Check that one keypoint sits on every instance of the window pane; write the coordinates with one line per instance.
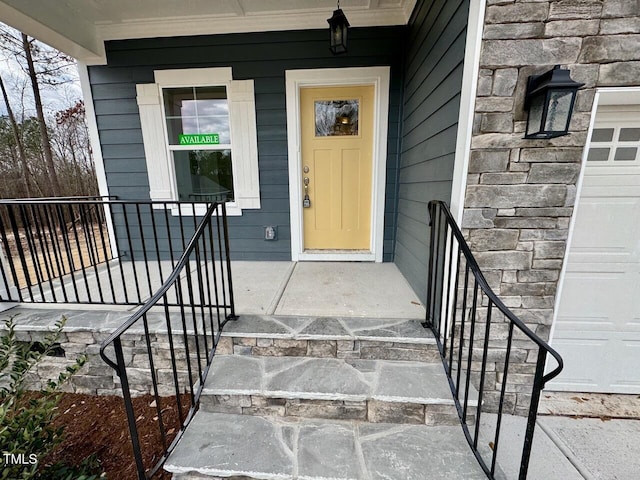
(625, 154)
(535, 115)
(598, 155)
(204, 176)
(336, 117)
(197, 110)
(602, 135)
(629, 134)
(559, 105)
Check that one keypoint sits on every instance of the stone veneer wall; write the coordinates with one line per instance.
(521, 193)
(96, 377)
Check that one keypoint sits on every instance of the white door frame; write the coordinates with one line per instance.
(379, 77)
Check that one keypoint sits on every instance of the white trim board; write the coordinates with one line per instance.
(380, 78)
(475, 25)
(96, 148)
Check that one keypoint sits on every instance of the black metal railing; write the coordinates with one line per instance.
(90, 250)
(495, 363)
(173, 346)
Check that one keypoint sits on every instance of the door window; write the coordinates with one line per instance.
(336, 117)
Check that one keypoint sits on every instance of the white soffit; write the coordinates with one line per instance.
(80, 27)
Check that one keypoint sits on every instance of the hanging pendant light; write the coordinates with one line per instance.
(338, 27)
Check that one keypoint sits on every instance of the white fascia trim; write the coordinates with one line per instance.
(275, 21)
(475, 26)
(96, 147)
(603, 96)
(380, 78)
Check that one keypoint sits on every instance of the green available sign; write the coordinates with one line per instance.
(199, 139)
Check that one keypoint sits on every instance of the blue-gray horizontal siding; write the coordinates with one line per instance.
(431, 105)
(263, 57)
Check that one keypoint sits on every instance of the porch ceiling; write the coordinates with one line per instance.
(80, 27)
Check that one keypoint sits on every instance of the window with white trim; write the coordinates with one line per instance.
(200, 137)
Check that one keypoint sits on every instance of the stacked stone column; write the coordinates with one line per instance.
(521, 193)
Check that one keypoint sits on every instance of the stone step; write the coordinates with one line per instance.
(348, 389)
(329, 337)
(244, 446)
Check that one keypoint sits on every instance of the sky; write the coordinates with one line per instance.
(20, 93)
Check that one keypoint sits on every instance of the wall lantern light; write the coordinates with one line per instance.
(550, 98)
(338, 27)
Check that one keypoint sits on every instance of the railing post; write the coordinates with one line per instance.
(225, 227)
(8, 290)
(12, 285)
(128, 406)
(428, 323)
(538, 385)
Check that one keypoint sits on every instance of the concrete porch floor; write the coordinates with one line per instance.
(329, 289)
(334, 289)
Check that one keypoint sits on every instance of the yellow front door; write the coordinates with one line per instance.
(337, 161)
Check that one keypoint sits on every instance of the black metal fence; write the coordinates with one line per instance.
(494, 362)
(91, 250)
(203, 292)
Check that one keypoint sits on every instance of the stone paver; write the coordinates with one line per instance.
(330, 328)
(416, 453)
(227, 445)
(328, 379)
(274, 448)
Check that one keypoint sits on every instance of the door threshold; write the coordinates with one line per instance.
(337, 255)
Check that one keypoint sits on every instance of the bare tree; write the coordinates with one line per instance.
(46, 142)
(16, 135)
(42, 65)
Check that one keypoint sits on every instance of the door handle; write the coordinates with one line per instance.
(306, 203)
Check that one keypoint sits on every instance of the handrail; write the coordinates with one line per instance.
(458, 318)
(165, 286)
(90, 250)
(48, 199)
(182, 337)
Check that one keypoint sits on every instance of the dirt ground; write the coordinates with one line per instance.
(98, 425)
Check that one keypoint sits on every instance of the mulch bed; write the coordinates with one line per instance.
(97, 425)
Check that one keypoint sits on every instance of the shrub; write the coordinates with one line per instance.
(27, 434)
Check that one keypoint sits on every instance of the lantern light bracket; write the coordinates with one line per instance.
(338, 29)
(555, 78)
(549, 99)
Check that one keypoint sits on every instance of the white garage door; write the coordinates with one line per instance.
(597, 329)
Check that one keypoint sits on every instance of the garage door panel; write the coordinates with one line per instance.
(625, 372)
(590, 294)
(598, 226)
(597, 327)
(599, 364)
(574, 376)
